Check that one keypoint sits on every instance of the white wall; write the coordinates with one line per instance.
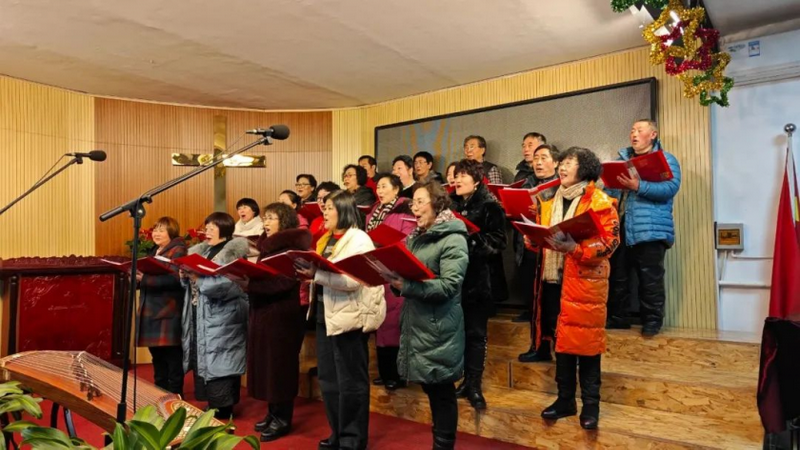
(749, 148)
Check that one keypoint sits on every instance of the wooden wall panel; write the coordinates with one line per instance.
(140, 137)
(38, 124)
(685, 131)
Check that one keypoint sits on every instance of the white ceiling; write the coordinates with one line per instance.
(303, 54)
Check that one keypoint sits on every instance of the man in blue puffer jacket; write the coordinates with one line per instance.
(648, 230)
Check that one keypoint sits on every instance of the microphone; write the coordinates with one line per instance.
(94, 155)
(279, 132)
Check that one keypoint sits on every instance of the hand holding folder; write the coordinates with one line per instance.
(650, 167)
(583, 226)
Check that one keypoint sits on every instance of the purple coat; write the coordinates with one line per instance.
(389, 331)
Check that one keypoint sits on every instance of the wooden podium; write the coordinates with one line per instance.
(63, 303)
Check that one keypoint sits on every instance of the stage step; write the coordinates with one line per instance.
(513, 416)
(698, 349)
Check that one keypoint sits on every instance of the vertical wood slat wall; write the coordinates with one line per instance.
(139, 138)
(38, 124)
(684, 124)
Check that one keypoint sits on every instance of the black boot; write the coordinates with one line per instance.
(565, 405)
(651, 286)
(461, 389)
(224, 414)
(537, 355)
(261, 426)
(475, 395)
(281, 423)
(589, 372)
(443, 441)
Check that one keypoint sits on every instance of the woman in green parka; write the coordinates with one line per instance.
(432, 322)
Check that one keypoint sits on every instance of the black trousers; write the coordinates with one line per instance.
(527, 273)
(588, 368)
(387, 363)
(551, 308)
(283, 411)
(646, 260)
(476, 321)
(168, 368)
(444, 408)
(343, 368)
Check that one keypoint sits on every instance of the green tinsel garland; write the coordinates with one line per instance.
(622, 5)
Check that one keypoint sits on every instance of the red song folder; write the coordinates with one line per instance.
(310, 211)
(243, 268)
(580, 227)
(517, 202)
(650, 167)
(148, 265)
(196, 263)
(384, 235)
(284, 262)
(471, 227)
(368, 267)
(496, 188)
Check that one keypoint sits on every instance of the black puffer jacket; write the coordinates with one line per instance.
(484, 211)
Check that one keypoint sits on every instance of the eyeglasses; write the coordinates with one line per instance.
(419, 203)
(348, 175)
(299, 185)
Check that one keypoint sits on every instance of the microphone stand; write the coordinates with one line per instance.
(75, 160)
(136, 210)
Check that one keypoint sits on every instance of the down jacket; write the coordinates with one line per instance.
(581, 327)
(349, 305)
(648, 212)
(432, 321)
(221, 317)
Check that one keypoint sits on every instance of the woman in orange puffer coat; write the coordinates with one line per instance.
(574, 284)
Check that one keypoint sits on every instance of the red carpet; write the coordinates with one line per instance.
(309, 426)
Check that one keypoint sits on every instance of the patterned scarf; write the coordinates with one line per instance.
(444, 216)
(380, 214)
(553, 260)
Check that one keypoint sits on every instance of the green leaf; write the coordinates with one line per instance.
(120, 438)
(29, 404)
(224, 441)
(172, 426)
(200, 437)
(203, 421)
(10, 387)
(44, 435)
(148, 433)
(18, 426)
(10, 405)
(253, 441)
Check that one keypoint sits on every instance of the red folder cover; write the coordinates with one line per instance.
(368, 267)
(365, 208)
(496, 188)
(384, 235)
(243, 268)
(580, 227)
(517, 202)
(148, 265)
(650, 167)
(284, 262)
(196, 263)
(450, 189)
(310, 211)
(471, 227)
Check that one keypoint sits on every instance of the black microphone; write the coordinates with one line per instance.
(94, 155)
(279, 132)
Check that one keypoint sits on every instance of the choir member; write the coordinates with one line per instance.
(354, 180)
(475, 149)
(249, 223)
(423, 168)
(451, 174)
(403, 168)
(432, 321)
(292, 199)
(305, 185)
(370, 165)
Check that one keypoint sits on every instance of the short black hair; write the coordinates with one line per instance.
(250, 203)
(394, 180)
(361, 173)
(480, 139)
(554, 152)
(452, 164)
(329, 186)
(345, 204)
(440, 199)
(370, 159)
(534, 135)
(293, 197)
(428, 157)
(589, 166)
(287, 217)
(224, 222)
(406, 160)
(472, 168)
(311, 180)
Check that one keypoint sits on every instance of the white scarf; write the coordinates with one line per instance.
(253, 228)
(553, 260)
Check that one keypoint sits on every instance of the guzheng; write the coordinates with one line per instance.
(90, 386)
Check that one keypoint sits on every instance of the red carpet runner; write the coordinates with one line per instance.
(309, 426)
